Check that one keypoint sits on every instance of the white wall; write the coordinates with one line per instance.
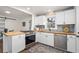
(26, 28)
(33, 22)
(16, 25)
(11, 24)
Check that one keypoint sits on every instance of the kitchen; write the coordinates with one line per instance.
(42, 29)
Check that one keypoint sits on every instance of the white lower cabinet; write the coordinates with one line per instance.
(13, 44)
(18, 43)
(71, 43)
(77, 41)
(50, 39)
(38, 37)
(45, 38)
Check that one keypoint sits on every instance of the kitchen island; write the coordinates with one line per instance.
(13, 42)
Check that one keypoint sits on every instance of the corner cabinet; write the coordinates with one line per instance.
(45, 38)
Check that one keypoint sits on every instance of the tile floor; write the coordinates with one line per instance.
(36, 48)
(41, 48)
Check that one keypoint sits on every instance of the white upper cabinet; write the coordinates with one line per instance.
(40, 20)
(59, 17)
(65, 17)
(70, 16)
(77, 20)
(36, 21)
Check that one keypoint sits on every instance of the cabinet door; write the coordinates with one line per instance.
(77, 20)
(15, 43)
(60, 17)
(36, 21)
(77, 44)
(22, 41)
(40, 20)
(42, 37)
(71, 43)
(70, 16)
(18, 43)
(50, 40)
(7, 43)
(38, 37)
(45, 38)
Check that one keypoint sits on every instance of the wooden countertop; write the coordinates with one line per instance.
(62, 33)
(13, 33)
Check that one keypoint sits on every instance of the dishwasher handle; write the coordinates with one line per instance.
(77, 35)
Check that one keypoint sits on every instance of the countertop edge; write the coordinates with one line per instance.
(13, 33)
(61, 33)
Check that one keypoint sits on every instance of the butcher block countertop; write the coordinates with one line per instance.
(13, 33)
(62, 33)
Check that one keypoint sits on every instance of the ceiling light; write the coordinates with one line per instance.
(49, 10)
(8, 12)
(28, 8)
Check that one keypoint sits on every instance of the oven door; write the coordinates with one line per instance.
(30, 39)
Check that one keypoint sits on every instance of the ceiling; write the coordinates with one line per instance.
(15, 14)
(37, 10)
(19, 12)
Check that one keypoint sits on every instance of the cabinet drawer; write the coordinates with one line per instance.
(38, 33)
(49, 34)
(45, 38)
(15, 37)
(71, 36)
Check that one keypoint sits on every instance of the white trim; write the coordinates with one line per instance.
(21, 9)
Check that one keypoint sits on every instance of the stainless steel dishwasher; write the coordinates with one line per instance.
(60, 41)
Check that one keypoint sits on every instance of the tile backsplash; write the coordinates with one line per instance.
(60, 28)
